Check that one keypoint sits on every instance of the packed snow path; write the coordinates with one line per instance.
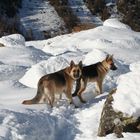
(23, 63)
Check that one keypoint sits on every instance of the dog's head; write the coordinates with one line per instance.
(75, 70)
(109, 63)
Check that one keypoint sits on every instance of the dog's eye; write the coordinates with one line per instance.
(74, 71)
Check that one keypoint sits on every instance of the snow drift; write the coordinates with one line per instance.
(127, 94)
(51, 65)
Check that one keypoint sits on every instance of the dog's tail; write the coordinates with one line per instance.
(35, 100)
(77, 87)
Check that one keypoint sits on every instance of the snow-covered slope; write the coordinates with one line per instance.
(38, 17)
(23, 63)
(81, 11)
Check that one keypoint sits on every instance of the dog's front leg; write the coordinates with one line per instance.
(78, 84)
(69, 94)
(99, 86)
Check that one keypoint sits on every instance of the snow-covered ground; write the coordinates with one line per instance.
(39, 18)
(23, 63)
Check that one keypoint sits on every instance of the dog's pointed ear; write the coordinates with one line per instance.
(80, 64)
(107, 57)
(112, 56)
(72, 63)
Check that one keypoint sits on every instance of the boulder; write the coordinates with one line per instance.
(113, 121)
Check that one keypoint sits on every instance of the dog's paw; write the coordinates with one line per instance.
(83, 101)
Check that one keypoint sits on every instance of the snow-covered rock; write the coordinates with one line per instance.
(16, 53)
(114, 121)
(14, 40)
(127, 95)
(115, 23)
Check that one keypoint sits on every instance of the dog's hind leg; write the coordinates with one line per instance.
(51, 101)
(49, 96)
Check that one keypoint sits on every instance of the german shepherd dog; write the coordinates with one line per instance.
(94, 73)
(56, 83)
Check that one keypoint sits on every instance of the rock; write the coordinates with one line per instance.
(2, 45)
(112, 121)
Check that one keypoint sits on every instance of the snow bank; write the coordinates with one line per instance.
(51, 65)
(127, 96)
(135, 67)
(14, 40)
(102, 37)
(21, 56)
(115, 23)
(94, 56)
(39, 44)
(16, 53)
(53, 50)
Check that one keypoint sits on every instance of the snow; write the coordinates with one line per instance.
(135, 67)
(15, 40)
(128, 84)
(81, 11)
(116, 24)
(44, 67)
(23, 63)
(98, 56)
(39, 16)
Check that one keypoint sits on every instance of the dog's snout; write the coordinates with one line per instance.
(113, 67)
(77, 74)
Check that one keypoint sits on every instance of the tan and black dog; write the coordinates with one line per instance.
(94, 73)
(56, 83)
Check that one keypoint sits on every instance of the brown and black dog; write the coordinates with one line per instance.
(94, 73)
(56, 83)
